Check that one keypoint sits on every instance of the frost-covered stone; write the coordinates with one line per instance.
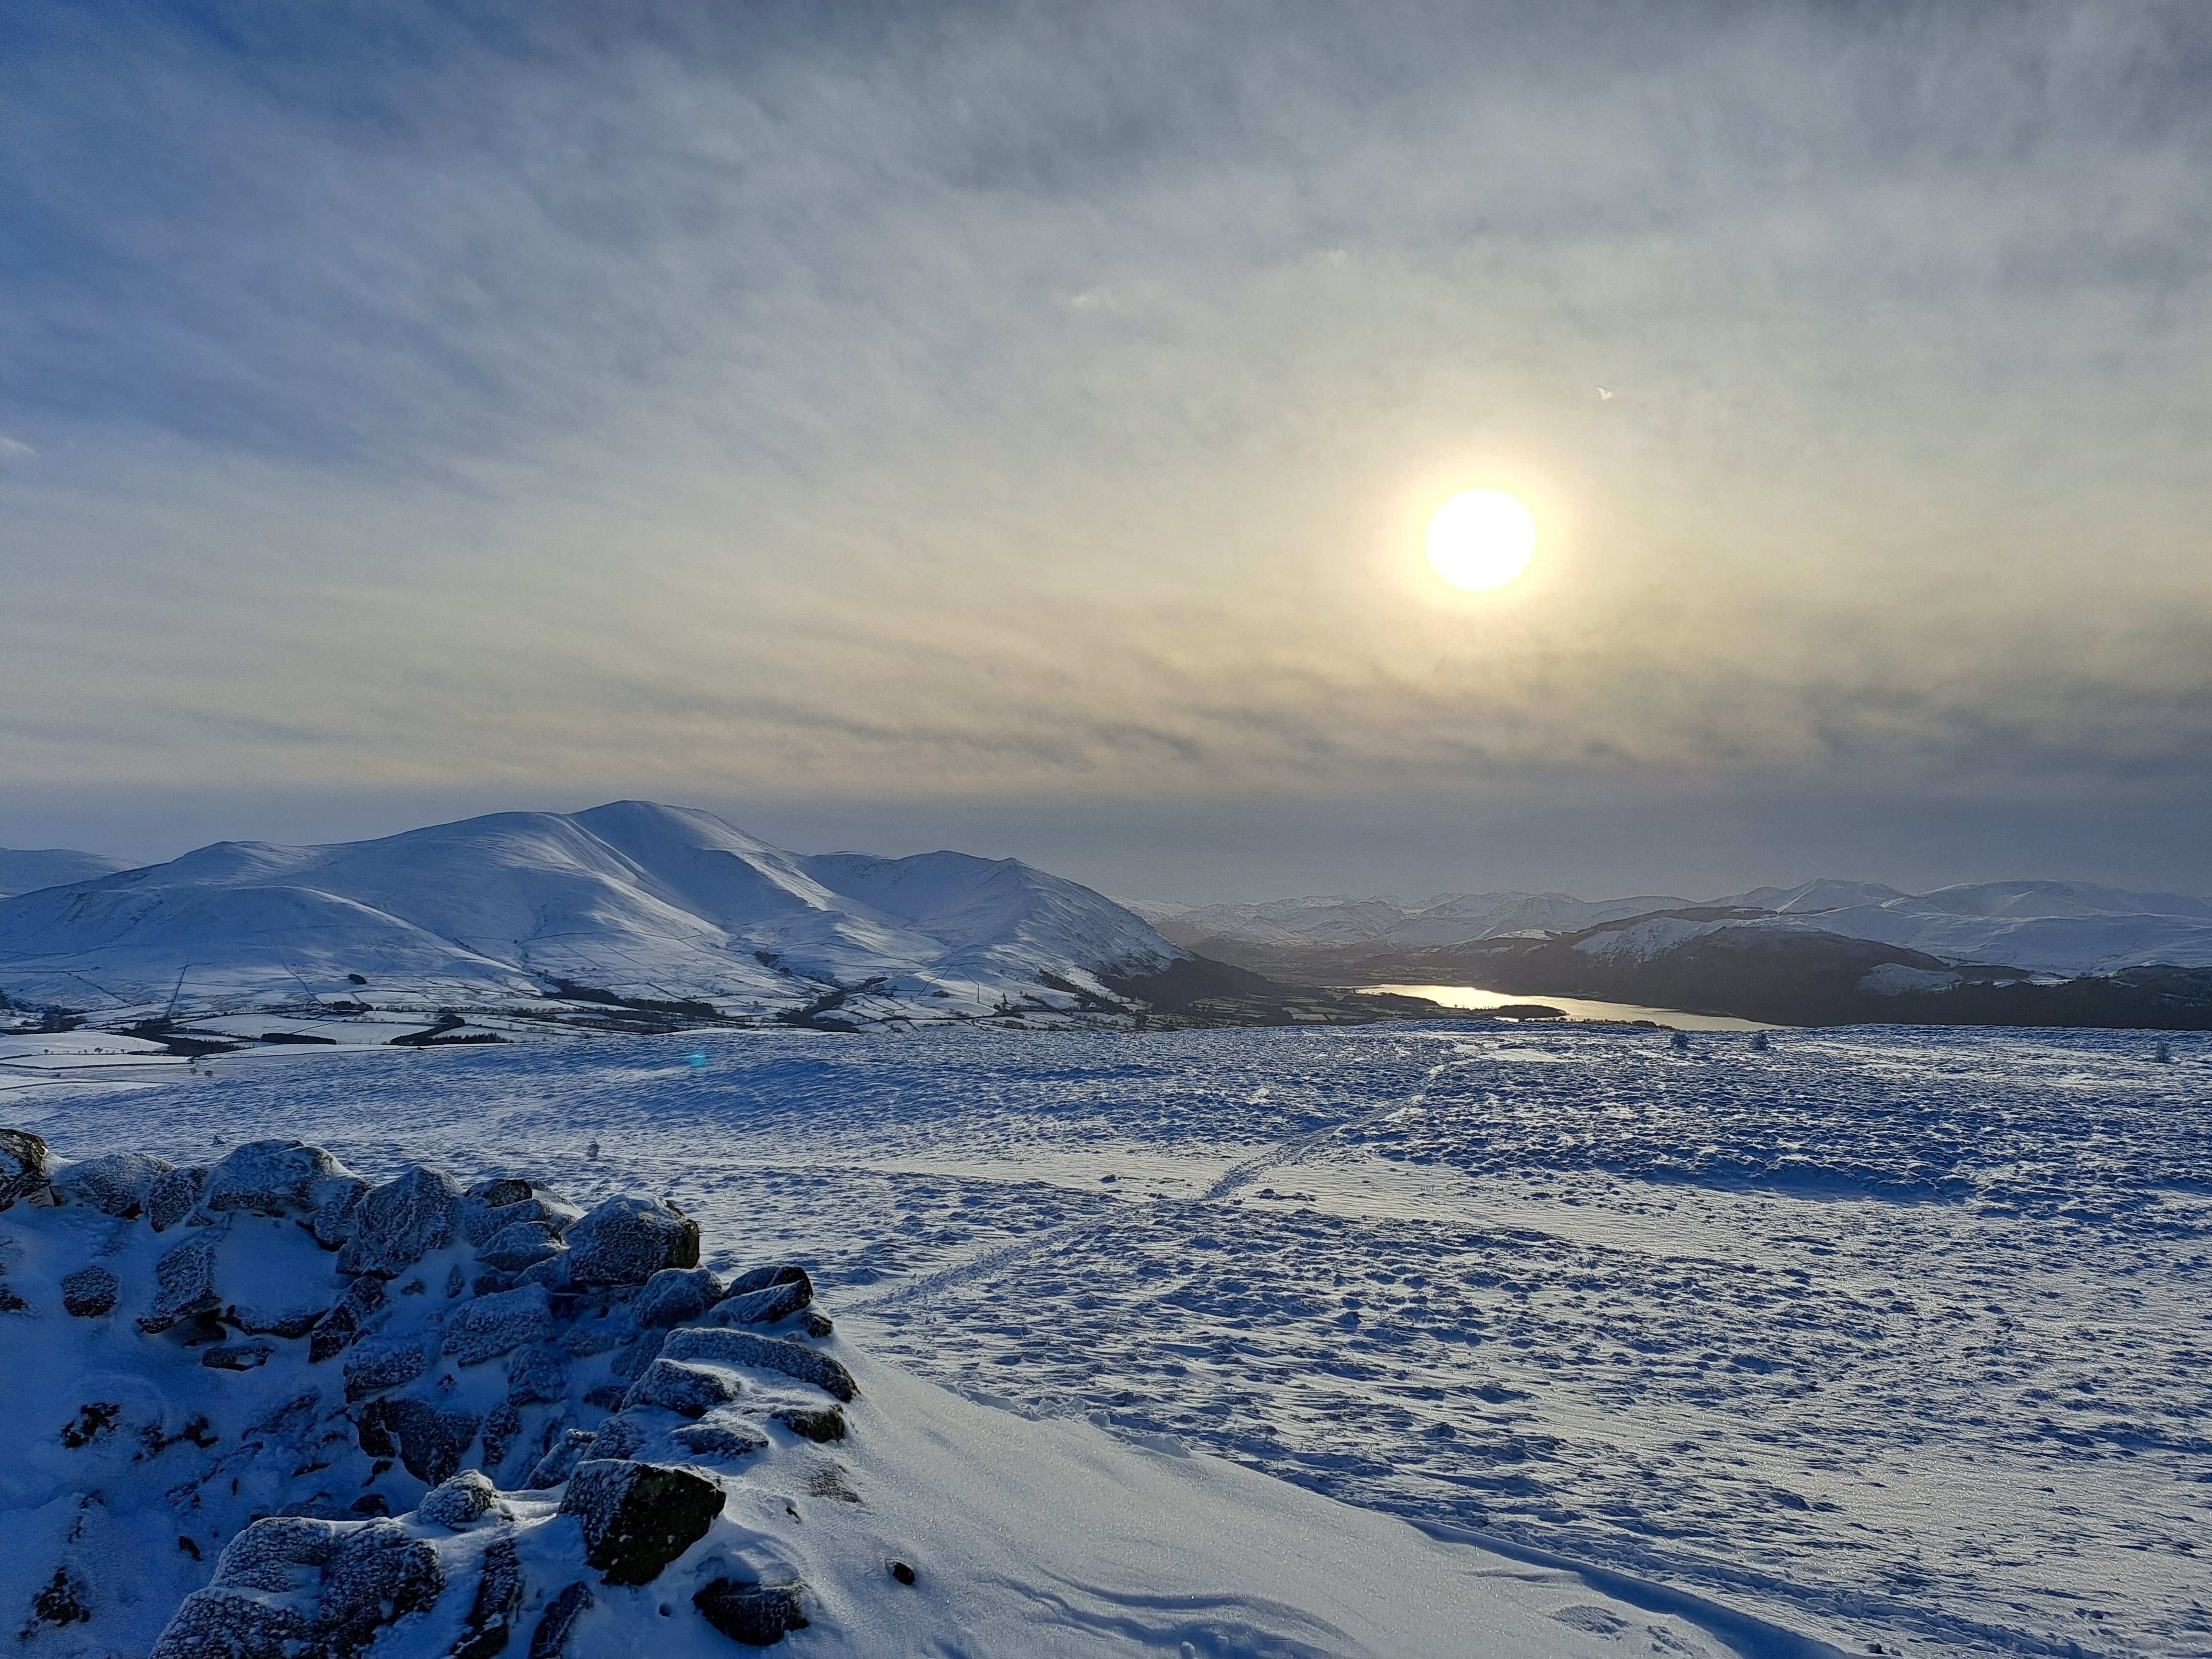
(500, 1590)
(90, 1292)
(281, 1554)
(114, 1183)
(377, 1576)
(676, 1295)
(236, 1356)
(519, 1245)
(820, 1424)
(561, 1459)
(763, 1306)
(23, 1166)
(494, 1325)
(625, 1241)
(638, 1353)
(552, 1272)
(730, 1347)
(386, 1363)
(461, 1501)
(429, 1439)
(185, 1282)
(720, 1436)
(268, 1177)
(622, 1433)
(550, 1640)
(396, 1225)
(687, 1390)
(337, 1201)
(759, 1615)
(289, 1587)
(231, 1624)
(638, 1518)
(537, 1372)
(173, 1195)
(776, 1273)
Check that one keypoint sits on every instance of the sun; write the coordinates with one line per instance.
(1480, 540)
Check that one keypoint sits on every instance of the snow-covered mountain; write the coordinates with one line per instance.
(635, 900)
(23, 871)
(2047, 927)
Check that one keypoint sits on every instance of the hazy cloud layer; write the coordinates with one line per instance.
(1040, 405)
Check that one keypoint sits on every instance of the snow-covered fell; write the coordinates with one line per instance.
(24, 871)
(1336, 921)
(641, 901)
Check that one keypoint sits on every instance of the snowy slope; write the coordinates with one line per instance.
(613, 1451)
(22, 871)
(1336, 922)
(632, 898)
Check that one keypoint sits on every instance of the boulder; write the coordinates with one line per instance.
(625, 1241)
(758, 1615)
(281, 1554)
(776, 1273)
(795, 1359)
(396, 1225)
(90, 1292)
(677, 1296)
(552, 1272)
(378, 1575)
(184, 1282)
(820, 1424)
(763, 1306)
(687, 1390)
(637, 1353)
(268, 1177)
(494, 1325)
(460, 1501)
(537, 1372)
(498, 1601)
(288, 1587)
(24, 1165)
(502, 1424)
(429, 1439)
(720, 1437)
(115, 1183)
(337, 1202)
(384, 1362)
(638, 1518)
(520, 1244)
(228, 1624)
(173, 1195)
(561, 1459)
(622, 1433)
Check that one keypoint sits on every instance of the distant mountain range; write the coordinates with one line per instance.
(1825, 952)
(22, 871)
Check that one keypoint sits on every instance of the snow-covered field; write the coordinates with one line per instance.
(1895, 1337)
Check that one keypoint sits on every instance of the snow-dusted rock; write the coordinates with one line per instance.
(23, 1166)
(429, 1439)
(268, 1177)
(173, 1195)
(90, 1292)
(459, 1501)
(638, 1518)
(538, 1371)
(687, 1390)
(500, 1589)
(493, 1325)
(778, 1299)
(185, 1280)
(757, 1615)
(290, 1587)
(625, 1241)
(676, 1295)
(794, 1359)
(400, 1223)
(720, 1437)
(520, 1244)
(115, 1183)
(386, 1363)
(561, 1459)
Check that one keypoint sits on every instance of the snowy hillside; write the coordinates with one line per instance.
(23, 871)
(657, 904)
(1446, 919)
(264, 1409)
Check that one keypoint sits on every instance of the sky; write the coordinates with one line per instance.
(1011, 426)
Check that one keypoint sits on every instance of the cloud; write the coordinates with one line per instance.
(1000, 401)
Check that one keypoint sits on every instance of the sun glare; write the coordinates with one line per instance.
(1480, 540)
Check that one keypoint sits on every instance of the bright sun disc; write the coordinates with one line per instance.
(1480, 540)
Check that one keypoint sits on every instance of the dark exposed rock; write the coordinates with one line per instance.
(758, 1615)
(61, 1602)
(23, 1166)
(721, 1347)
(172, 1196)
(761, 1307)
(902, 1572)
(498, 1193)
(460, 1500)
(820, 1424)
(625, 1241)
(776, 1273)
(92, 1421)
(539, 1371)
(237, 1356)
(494, 1325)
(90, 1292)
(268, 1177)
(384, 1362)
(115, 1183)
(520, 1244)
(676, 1295)
(396, 1225)
(185, 1284)
(337, 1329)
(429, 1439)
(550, 1640)
(638, 1518)
(687, 1390)
(720, 1436)
(501, 1424)
(377, 1576)
(498, 1600)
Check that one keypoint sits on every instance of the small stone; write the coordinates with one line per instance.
(625, 1241)
(90, 1292)
(902, 1572)
(758, 1615)
(461, 1500)
(237, 1356)
(550, 1640)
(638, 1518)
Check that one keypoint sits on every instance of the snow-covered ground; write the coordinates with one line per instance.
(1884, 1336)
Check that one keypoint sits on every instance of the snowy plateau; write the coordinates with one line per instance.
(1425, 1338)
